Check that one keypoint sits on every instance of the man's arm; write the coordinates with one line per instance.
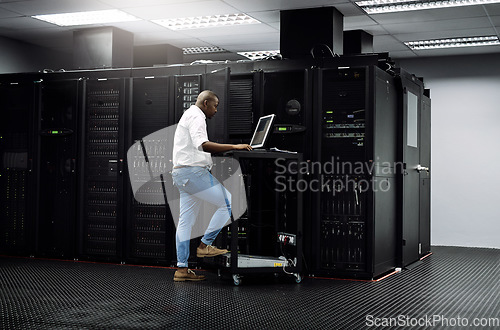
(215, 148)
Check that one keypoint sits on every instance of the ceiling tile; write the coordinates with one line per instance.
(7, 13)
(495, 20)
(188, 9)
(375, 30)
(453, 24)
(253, 47)
(402, 54)
(239, 30)
(355, 22)
(420, 16)
(159, 38)
(22, 23)
(387, 44)
(275, 25)
(493, 9)
(243, 39)
(444, 34)
(143, 26)
(40, 7)
(256, 5)
(349, 9)
(271, 16)
(143, 3)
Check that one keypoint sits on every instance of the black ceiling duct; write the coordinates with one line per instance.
(357, 42)
(103, 47)
(303, 30)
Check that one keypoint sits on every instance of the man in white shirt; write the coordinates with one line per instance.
(191, 174)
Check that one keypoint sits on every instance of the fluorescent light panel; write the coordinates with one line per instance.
(202, 50)
(453, 42)
(206, 21)
(87, 17)
(389, 6)
(259, 55)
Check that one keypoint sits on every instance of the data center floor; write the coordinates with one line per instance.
(452, 285)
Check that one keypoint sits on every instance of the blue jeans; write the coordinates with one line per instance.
(196, 184)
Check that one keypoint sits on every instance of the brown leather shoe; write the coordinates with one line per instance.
(189, 276)
(209, 251)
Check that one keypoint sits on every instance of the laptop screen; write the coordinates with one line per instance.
(262, 131)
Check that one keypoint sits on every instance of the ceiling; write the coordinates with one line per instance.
(389, 30)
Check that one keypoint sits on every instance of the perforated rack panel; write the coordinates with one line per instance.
(102, 221)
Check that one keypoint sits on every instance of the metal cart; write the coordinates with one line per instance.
(286, 238)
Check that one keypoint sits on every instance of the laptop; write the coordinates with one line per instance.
(262, 132)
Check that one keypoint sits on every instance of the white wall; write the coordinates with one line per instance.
(465, 93)
(16, 56)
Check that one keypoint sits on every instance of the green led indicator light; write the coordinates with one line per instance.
(54, 132)
(329, 112)
(329, 121)
(281, 128)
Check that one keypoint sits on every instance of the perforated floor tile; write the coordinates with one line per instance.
(50, 294)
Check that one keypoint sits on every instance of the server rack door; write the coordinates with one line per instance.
(384, 178)
(411, 109)
(16, 158)
(58, 142)
(150, 228)
(425, 177)
(218, 82)
(344, 211)
(186, 90)
(101, 226)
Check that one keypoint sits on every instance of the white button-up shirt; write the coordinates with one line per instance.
(190, 134)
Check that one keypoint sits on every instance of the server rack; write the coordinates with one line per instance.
(17, 152)
(57, 152)
(101, 182)
(356, 157)
(150, 228)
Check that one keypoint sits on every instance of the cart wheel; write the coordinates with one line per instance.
(298, 278)
(236, 279)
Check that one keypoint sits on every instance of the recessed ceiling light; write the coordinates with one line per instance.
(453, 42)
(206, 21)
(259, 55)
(202, 50)
(87, 17)
(389, 6)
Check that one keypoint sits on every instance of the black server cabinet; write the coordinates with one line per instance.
(150, 228)
(17, 181)
(354, 165)
(101, 183)
(58, 104)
